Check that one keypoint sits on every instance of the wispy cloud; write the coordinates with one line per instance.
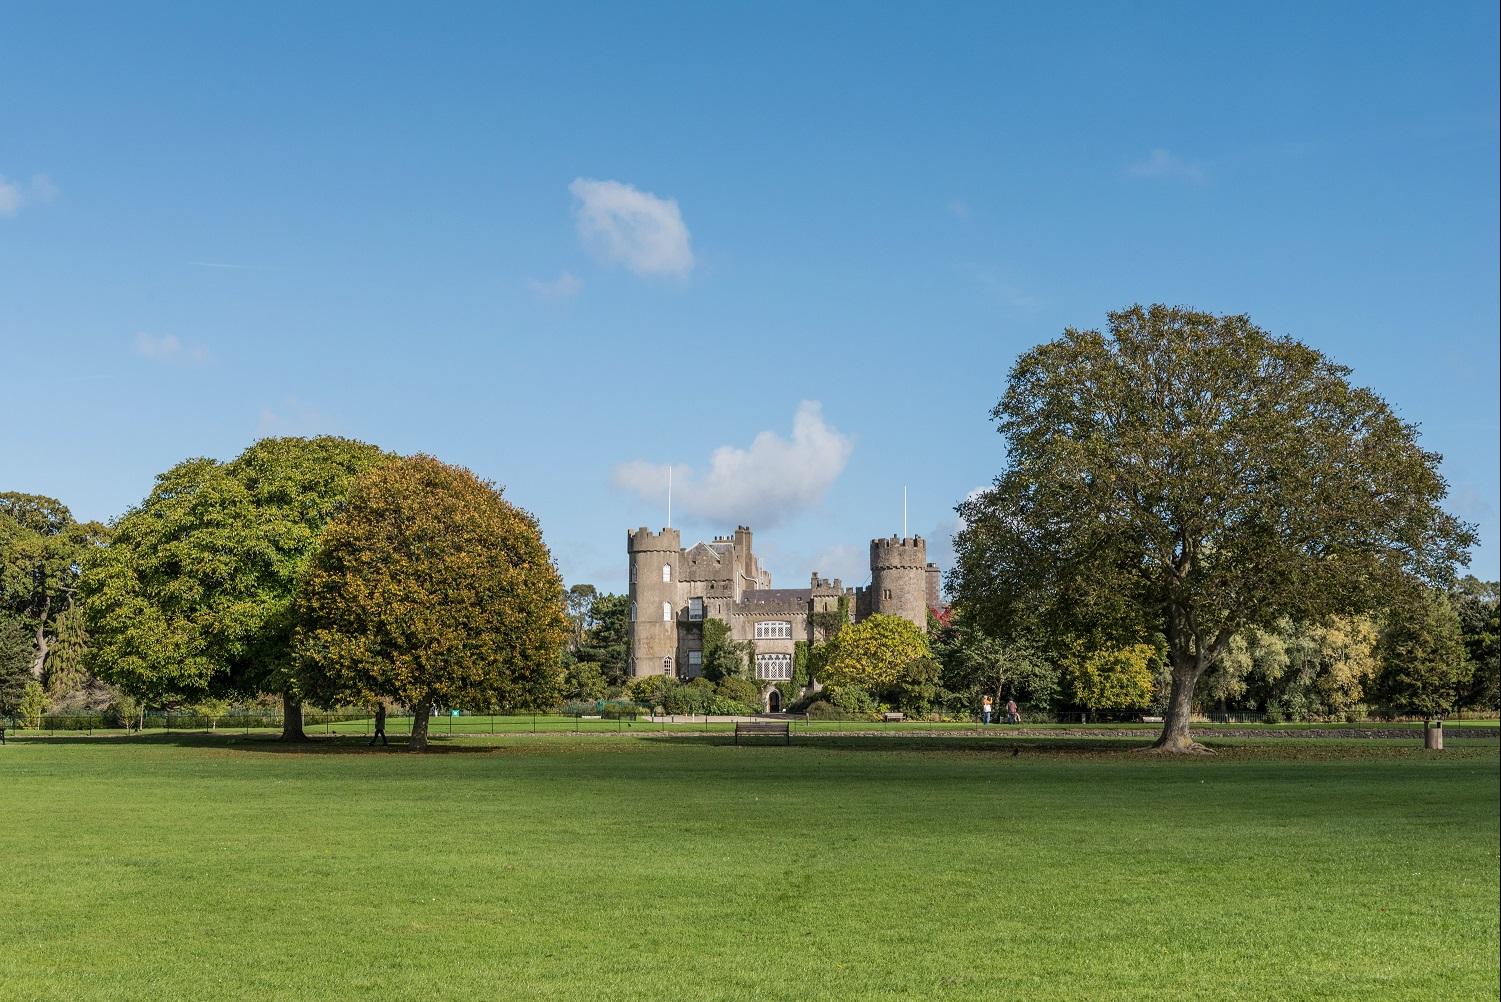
(168, 348)
(770, 482)
(960, 209)
(624, 225)
(565, 286)
(14, 195)
(1166, 165)
(292, 417)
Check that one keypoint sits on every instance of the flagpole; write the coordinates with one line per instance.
(669, 497)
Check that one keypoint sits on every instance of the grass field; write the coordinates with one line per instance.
(561, 867)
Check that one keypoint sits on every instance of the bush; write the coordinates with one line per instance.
(580, 708)
(722, 706)
(33, 702)
(853, 699)
(688, 697)
(821, 709)
(741, 690)
(615, 709)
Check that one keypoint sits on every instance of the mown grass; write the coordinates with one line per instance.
(559, 867)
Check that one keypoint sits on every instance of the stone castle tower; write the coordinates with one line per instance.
(899, 578)
(655, 562)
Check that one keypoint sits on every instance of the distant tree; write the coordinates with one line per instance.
(1424, 667)
(193, 596)
(873, 653)
(1478, 604)
(1190, 474)
(16, 640)
(430, 589)
(42, 552)
(602, 649)
(976, 664)
(580, 599)
(1119, 678)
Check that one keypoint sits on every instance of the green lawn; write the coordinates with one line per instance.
(560, 867)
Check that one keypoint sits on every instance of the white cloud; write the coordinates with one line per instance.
(168, 348)
(10, 197)
(13, 196)
(1164, 164)
(293, 417)
(565, 286)
(635, 228)
(770, 482)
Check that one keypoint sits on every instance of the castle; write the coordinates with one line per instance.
(673, 590)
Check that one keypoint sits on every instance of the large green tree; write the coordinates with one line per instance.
(432, 590)
(42, 552)
(874, 653)
(1193, 475)
(193, 596)
(1478, 604)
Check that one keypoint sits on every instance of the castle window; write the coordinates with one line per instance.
(633, 573)
(633, 612)
(773, 667)
(774, 631)
(887, 593)
(666, 612)
(666, 572)
(695, 661)
(667, 666)
(695, 610)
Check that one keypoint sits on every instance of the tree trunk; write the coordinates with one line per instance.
(291, 718)
(1175, 738)
(420, 714)
(39, 663)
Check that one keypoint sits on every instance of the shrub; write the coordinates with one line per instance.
(853, 699)
(723, 706)
(821, 709)
(688, 697)
(741, 690)
(33, 703)
(617, 708)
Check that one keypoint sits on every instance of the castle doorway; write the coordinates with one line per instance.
(774, 701)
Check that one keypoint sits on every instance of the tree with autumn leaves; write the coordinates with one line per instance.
(432, 590)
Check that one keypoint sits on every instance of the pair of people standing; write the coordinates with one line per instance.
(1013, 715)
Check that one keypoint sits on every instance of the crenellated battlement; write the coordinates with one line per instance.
(643, 540)
(898, 551)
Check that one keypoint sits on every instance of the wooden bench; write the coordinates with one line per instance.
(778, 727)
(1151, 720)
(893, 718)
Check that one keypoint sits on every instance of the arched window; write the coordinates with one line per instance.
(774, 667)
(633, 572)
(666, 572)
(633, 612)
(666, 612)
(667, 666)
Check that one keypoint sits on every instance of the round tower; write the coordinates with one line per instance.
(899, 578)
(655, 561)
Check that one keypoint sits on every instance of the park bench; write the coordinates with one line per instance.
(1151, 720)
(893, 718)
(777, 727)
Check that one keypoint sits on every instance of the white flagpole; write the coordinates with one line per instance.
(669, 497)
(904, 511)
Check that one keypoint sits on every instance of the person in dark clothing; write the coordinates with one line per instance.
(380, 725)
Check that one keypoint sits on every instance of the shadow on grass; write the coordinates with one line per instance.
(321, 744)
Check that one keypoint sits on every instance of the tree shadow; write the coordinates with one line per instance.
(318, 744)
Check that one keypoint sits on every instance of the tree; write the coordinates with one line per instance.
(1478, 604)
(1192, 475)
(976, 663)
(15, 661)
(1118, 678)
(723, 656)
(873, 653)
(1424, 668)
(193, 596)
(580, 600)
(42, 551)
(430, 589)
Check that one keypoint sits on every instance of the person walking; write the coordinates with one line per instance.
(380, 724)
(1013, 715)
(985, 706)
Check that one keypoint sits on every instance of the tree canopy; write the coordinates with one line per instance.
(873, 653)
(42, 553)
(1193, 475)
(193, 596)
(432, 590)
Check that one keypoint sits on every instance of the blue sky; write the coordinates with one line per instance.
(792, 251)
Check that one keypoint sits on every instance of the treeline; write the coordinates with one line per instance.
(322, 570)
